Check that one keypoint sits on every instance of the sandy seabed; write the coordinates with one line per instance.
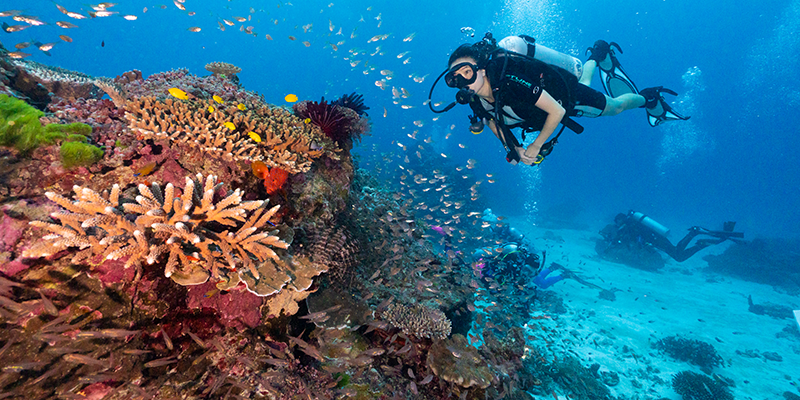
(681, 299)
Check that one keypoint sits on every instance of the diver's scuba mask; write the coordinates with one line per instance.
(461, 81)
(467, 76)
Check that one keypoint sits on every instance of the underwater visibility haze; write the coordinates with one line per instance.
(211, 199)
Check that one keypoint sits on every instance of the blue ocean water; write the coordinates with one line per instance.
(731, 63)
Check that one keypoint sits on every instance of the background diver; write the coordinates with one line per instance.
(634, 231)
(518, 84)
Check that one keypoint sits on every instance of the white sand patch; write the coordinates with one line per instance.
(678, 300)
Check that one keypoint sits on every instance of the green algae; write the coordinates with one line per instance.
(19, 124)
(20, 128)
(79, 154)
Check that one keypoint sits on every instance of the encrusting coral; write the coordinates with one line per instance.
(157, 223)
(271, 135)
(455, 360)
(419, 320)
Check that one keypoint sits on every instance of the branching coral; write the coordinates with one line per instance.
(201, 237)
(692, 386)
(261, 133)
(419, 320)
(455, 360)
(696, 352)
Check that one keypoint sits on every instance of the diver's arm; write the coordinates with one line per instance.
(555, 113)
(493, 127)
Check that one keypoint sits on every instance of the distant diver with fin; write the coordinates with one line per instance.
(616, 83)
(635, 232)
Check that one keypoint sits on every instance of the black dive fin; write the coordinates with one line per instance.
(658, 110)
(614, 79)
(723, 234)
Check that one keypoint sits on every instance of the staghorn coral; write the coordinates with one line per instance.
(284, 140)
(222, 68)
(158, 222)
(693, 351)
(419, 320)
(693, 386)
(455, 360)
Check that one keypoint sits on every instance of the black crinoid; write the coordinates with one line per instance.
(353, 101)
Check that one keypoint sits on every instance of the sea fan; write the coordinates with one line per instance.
(352, 101)
(331, 118)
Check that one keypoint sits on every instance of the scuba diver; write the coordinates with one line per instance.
(519, 84)
(634, 234)
(512, 264)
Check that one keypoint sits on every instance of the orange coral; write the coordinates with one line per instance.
(274, 178)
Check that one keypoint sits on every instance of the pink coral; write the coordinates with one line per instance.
(237, 307)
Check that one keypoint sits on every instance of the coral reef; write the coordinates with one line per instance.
(79, 154)
(226, 132)
(199, 87)
(693, 351)
(222, 68)
(419, 321)
(455, 360)
(694, 386)
(157, 222)
(340, 123)
(353, 101)
(769, 261)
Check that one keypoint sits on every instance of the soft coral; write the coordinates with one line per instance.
(274, 178)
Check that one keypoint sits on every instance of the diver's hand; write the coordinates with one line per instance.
(528, 156)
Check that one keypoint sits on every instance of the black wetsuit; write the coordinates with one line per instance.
(633, 235)
(517, 84)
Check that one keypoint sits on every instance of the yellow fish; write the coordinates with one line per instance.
(179, 94)
(211, 109)
(229, 125)
(290, 98)
(217, 99)
(255, 137)
(241, 106)
(307, 120)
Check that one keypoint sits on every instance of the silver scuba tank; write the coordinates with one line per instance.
(527, 47)
(651, 223)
